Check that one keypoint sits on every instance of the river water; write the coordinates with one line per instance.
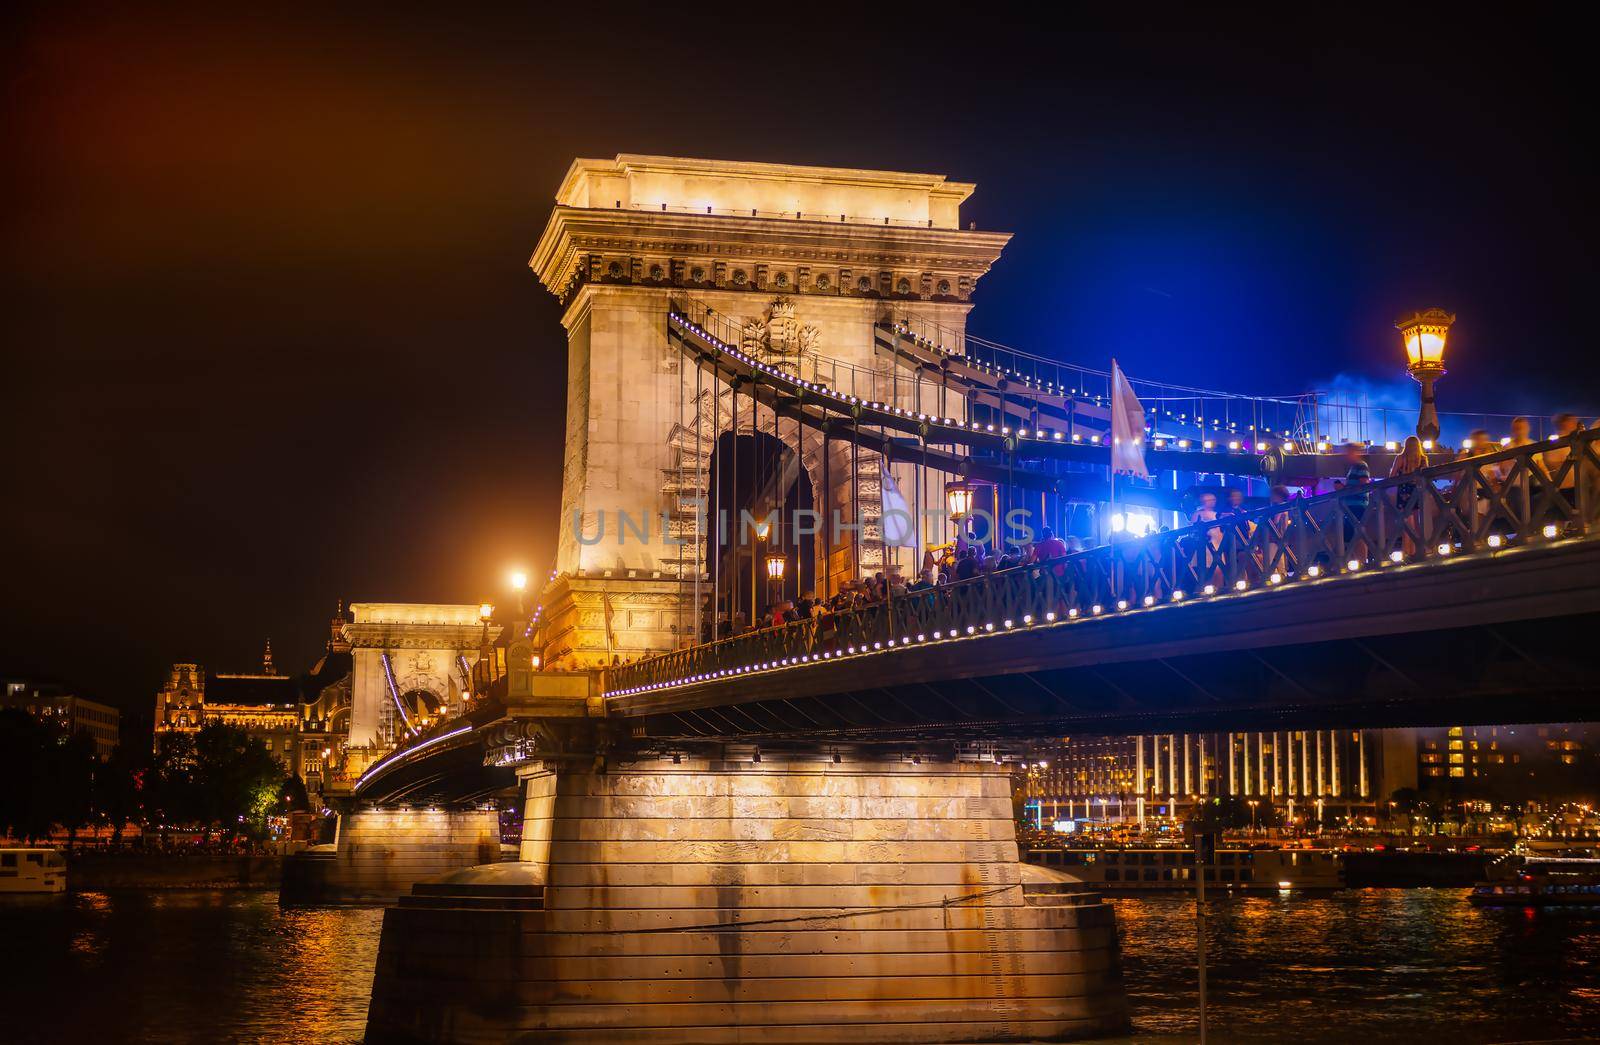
(1369, 965)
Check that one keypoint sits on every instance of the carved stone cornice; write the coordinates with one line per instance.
(765, 255)
(417, 636)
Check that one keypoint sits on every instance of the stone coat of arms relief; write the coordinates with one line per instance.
(778, 337)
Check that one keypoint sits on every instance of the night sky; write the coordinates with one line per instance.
(270, 338)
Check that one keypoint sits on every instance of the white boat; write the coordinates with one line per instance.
(32, 871)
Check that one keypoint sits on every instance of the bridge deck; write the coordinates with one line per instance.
(1408, 644)
(1493, 540)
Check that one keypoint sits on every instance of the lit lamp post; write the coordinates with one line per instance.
(1253, 816)
(519, 584)
(958, 498)
(481, 669)
(775, 566)
(1424, 335)
(761, 535)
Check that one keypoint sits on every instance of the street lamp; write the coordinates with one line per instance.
(519, 584)
(481, 670)
(958, 497)
(762, 530)
(1252, 816)
(775, 565)
(1424, 335)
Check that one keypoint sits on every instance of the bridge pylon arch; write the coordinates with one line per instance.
(803, 264)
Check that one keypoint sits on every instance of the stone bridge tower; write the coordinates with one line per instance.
(804, 262)
(407, 659)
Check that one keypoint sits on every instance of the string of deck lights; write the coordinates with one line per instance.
(1065, 392)
(1274, 581)
(1199, 420)
(1251, 445)
(1038, 434)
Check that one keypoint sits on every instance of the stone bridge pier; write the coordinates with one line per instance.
(744, 895)
(379, 854)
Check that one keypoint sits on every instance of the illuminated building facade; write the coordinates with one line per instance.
(265, 704)
(1515, 761)
(1160, 774)
(392, 667)
(325, 716)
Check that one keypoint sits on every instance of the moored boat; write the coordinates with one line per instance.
(1543, 882)
(32, 870)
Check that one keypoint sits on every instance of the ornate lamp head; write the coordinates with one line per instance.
(1424, 335)
(958, 498)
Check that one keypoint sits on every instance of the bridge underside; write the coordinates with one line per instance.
(1487, 640)
(454, 773)
(1531, 671)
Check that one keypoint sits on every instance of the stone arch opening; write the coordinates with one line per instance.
(421, 703)
(755, 472)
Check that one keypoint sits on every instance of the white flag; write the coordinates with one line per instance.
(899, 529)
(1127, 426)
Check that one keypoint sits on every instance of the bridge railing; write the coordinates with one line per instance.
(1543, 491)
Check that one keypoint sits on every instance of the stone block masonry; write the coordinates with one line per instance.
(381, 853)
(791, 900)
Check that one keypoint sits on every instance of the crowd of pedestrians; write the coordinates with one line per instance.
(1280, 548)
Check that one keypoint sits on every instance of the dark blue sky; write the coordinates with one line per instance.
(272, 341)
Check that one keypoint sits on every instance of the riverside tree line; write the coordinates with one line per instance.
(219, 779)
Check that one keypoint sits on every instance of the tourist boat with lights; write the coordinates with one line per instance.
(1543, 882)
(29, 870)
(1171, 868)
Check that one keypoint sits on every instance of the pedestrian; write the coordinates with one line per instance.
(1408, 501)
(1358, 474)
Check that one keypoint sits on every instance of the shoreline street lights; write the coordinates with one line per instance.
(1424, 335)
(519, 584)
(1253, 815)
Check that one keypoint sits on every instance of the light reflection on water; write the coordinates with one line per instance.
(1367, 964)
(184, 967)
(1379, 965)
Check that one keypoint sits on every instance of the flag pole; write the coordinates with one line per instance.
(1111, 457)
(1111, 474)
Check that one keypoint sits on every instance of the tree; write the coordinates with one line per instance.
(119, 784)
(235, 779)
(169, 785)
(72, 764)
(24, 764)
(292, 796)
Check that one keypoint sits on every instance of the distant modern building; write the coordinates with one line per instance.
(1510, 762)
(1347, 771)
(51, 703)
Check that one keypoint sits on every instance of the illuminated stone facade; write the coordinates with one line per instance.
(410, 663)
(802, 263)
(796, 899)
(265, 704)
